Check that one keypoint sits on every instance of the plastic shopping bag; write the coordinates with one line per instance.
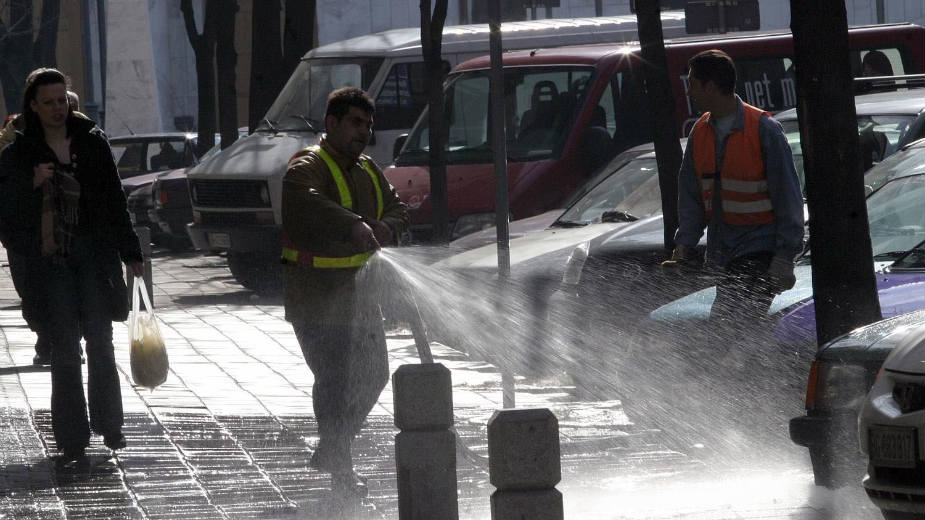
(148, 356)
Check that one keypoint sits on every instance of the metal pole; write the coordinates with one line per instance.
(881, 12)
(101, 26)
(499, 146)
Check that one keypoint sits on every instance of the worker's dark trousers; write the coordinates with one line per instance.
(29, 283)
(77, 306)
(744, 293)
(351, 367)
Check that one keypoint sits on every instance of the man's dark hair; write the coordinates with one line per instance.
(36, 79)
(716, 66)
(340, 101)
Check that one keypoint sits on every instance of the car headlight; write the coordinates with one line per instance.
(471, 223)
(835, 386)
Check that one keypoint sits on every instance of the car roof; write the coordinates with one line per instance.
(897, 102)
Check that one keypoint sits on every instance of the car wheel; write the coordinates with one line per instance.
(835, 466)
(259, 273)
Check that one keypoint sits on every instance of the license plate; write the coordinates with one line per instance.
(892, 447)
(220, 240)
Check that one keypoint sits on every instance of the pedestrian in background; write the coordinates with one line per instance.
(738, 181)
(65, 210)
(26, 275)
(337, 210)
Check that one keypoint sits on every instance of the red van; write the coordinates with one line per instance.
(568, 110)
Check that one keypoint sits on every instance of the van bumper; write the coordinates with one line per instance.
(243, 239)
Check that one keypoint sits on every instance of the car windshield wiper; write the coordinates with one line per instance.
(569, 223)
(269, 124)
(310, 123)
(618, 216)
(890, 255)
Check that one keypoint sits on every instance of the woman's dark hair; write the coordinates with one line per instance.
(716, 66)
(340, 101)
(36, 79)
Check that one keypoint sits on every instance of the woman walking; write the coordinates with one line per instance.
(63, 206)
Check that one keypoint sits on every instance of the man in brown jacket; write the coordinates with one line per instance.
(337, 210)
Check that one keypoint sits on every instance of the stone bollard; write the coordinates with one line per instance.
(144, 238)
(523, 463)
(425, 448)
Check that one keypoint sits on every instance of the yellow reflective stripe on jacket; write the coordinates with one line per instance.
(341, 262)
(290, 255)
(346, 200)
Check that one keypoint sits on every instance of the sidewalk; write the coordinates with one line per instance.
(228, 434)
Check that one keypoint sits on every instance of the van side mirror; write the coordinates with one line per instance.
(399, 143)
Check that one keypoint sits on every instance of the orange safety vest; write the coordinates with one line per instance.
(292, 254)
(744, 184)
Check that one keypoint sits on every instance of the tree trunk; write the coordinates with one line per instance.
(298, 34)
(46, 41)
(432, 22)
(226, 61)
(24, 51)
(844, 285)
(266, 60)
(204, 49)
(668, 153)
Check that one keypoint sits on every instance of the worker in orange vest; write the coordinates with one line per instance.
(738, 182)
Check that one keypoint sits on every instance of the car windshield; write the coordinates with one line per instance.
(301, 104)
(139, 156)
(878, 137)
(630, 193)
(897, 217)
(540, 107)
(911, 158)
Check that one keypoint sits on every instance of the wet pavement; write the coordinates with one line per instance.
(229, 434)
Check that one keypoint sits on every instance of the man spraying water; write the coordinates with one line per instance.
(337, 210)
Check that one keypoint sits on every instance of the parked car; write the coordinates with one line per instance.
(839, 378)
(624, 192)
(887, 121)
(140, 158)
(169, 209)
(891, 431)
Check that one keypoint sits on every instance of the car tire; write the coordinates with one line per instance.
(258, 273)
(835, 467)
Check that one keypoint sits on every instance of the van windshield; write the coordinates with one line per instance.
(540, 107)
(301, 104)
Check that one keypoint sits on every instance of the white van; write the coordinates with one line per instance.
(236, 194)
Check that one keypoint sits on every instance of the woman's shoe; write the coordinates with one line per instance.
(114, 441)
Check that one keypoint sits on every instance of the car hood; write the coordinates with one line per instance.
(260, 154)
(909, 355)
(529, 246)
(696, 306)
(872, 341)
(133, 183)
(516, 229)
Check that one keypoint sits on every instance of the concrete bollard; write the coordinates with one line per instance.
(144, 238)
(523, 464)
(425, 448)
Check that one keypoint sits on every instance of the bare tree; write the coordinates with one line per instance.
(204, 49)
(432, 21)
(273, 58)
(25, 47)
(226, 62)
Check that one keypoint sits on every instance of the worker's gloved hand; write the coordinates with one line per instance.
(363, 237)
(780, 273)
(382, 231)
(682, 256)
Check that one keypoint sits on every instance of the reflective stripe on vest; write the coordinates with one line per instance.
(744, 187)
(294, 255)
